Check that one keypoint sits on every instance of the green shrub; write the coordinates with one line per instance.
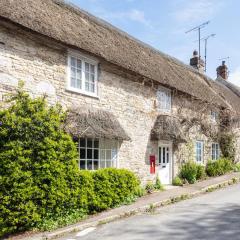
(219, 167)
(177, 181)
(113, 187)
(201, 172)
(41, 185)
(237, 167)
(158, 185)
(149, 187)
(37, 163)
(189, 172)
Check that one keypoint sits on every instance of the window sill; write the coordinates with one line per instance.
(87, 94)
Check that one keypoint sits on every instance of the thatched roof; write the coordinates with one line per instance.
(94, 124)
(167, 128)
(76, 28)
(229, 92)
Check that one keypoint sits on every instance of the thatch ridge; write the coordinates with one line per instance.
(82, 122)
(75, 27)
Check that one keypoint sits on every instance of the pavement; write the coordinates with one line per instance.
(212, 216)
(142, 205)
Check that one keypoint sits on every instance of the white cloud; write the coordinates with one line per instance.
(234, 77)
(195, 11)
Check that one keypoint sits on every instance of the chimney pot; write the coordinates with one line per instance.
(197, 62)
(222, 71)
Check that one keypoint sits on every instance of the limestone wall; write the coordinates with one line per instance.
(43, 65)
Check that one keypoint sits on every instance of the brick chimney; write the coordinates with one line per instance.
(197, 62)
(222, 71)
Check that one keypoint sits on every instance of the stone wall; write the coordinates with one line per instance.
(42, 65)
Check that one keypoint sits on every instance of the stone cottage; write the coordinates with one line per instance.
(130, 105)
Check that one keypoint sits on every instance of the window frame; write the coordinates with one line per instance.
(216, 153)
(202, 151)
(107, 162)
(168, 98)
(84, 59)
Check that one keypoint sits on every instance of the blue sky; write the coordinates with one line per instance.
(163, 23)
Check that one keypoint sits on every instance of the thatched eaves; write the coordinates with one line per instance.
(94, 124)
(76, 28)
(167, 128)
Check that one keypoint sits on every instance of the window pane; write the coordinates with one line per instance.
(87, 67)
(73, 62)
(82, 164)
(96, 143)
(89, 143)
(89, 154)
(79, 64)
(92, 70)
(82, 142)
(87, 86)
(89, 165)
(82, 153)
(91, 89)
(95, 165)
(96, 154)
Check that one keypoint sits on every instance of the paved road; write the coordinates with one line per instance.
(214, 216)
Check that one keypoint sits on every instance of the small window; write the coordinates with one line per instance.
(82, 75)
(164, 100)
(215, 151)
(94, 154)
(199, 151)
(214, 116)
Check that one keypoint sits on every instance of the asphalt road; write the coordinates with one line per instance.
(212, 216)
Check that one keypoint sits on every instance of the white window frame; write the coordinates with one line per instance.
(215, 151)
(201, 156)
(164, 100)
(102, 159)
(84, 59)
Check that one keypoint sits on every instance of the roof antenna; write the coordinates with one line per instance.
(198, 28)
(205, 39)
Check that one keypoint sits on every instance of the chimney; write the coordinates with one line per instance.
(197, 62)
(222, 71)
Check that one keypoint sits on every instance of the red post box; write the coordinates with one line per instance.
(152, 164)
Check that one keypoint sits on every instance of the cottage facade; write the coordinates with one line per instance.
(130, 106)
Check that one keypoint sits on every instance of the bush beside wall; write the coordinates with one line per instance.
(219, 167)
(40, 183)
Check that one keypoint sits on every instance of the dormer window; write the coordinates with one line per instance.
(164, 99)
(82, 74)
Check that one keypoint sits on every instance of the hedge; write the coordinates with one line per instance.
(40, 182)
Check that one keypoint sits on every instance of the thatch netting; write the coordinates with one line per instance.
(94, 124)
(167, 128)
(75, 27)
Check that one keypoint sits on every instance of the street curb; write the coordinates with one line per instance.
(142, 209)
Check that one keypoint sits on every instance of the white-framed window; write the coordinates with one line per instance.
(82, 74)
(215, 151)
(96, 153)
(164, 99)
(214, 116)
(199, 151)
